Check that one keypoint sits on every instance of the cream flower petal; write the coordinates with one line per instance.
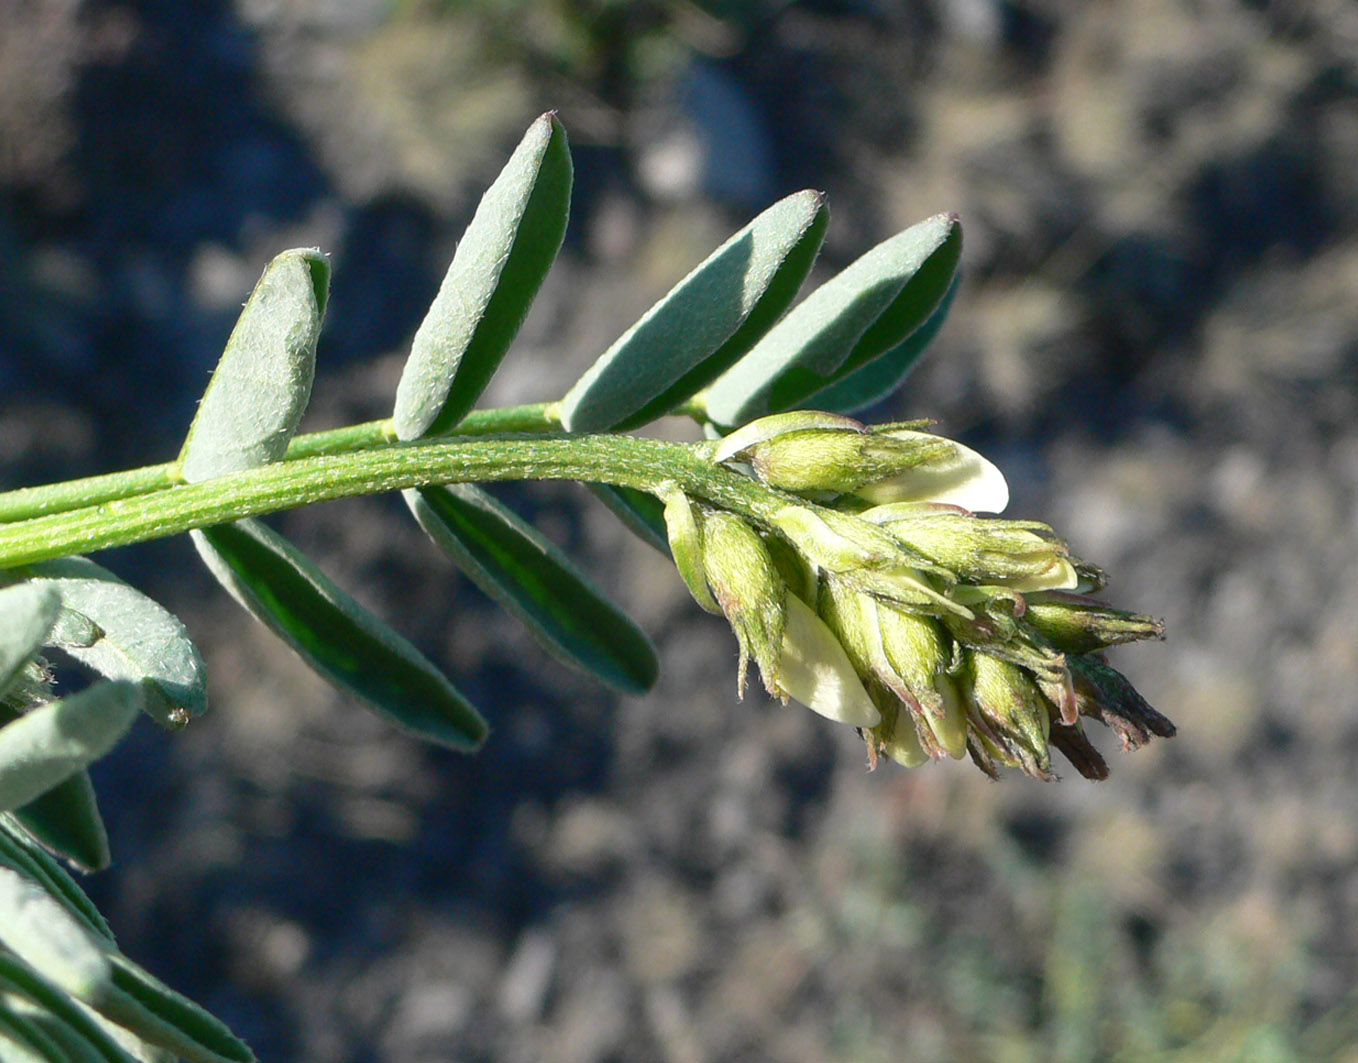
(972, 481)
(1060, 576)
(815, 670)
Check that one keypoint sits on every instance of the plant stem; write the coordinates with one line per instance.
(625, 461)
(49, 499)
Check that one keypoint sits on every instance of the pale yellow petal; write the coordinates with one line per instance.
(815, 670)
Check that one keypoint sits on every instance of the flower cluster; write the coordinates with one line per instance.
(876, 596)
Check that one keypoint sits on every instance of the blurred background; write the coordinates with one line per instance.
(1157, 339)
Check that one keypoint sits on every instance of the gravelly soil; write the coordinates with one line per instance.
(1157, 340)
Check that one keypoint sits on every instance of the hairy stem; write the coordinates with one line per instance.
(643, 464)
(28, 502)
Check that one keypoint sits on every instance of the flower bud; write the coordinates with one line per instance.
(1077, 624)
(1106, 695)
(920, 653)
(686, 545)
(1021, 555)
(746, 586)
(864, 556)
(955, 475)
(834, 460)
(814, 454)
(1011, 713)
(903, 658)
(741, 443)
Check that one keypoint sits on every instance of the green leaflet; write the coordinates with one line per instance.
(495, 273)
(248, 415)
(66, 817)
(883, 376)
(262, 383)
(67, 1019)
(856, 316)
(139, 1002)
(141, 641)
(516, 565)
(642, 514)
(73, 1045)
(39, 926)
(30, 612)
(335, 635)
(39, 930)
(22, 1040)
(50, 743)
(66, 820)
(18, 851)
(704, 324)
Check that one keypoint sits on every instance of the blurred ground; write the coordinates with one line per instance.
(1157, 339)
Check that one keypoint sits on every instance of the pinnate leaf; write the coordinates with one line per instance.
(335, 635)
(521, 569)
(858, 315)
(704, 324)
(496, 272)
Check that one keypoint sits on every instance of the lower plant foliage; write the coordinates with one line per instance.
(862, 568)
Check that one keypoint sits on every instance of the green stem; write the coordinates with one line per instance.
(625, 461)
(49, 499)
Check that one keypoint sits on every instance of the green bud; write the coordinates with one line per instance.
(1077, 624)
(1010, 712)
(865, 557)
(1021, 555)
(740, 444)
(835, 460)
(748, 589)
(919, 652)
(686, 545)
(902, 660)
